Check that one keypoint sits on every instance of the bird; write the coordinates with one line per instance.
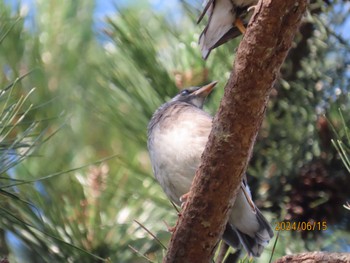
(227, 20)
(177, 134)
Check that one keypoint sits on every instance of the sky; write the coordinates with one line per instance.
(104, 8)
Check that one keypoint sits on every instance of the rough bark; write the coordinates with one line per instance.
(235, 127)
(314, 257)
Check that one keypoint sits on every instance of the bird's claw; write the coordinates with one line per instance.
(251, 8)
(239, 24)
(183, 199)
(170, 229)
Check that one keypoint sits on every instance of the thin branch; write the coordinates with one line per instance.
(150, 233)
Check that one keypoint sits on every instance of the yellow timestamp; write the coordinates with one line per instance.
(301, 226)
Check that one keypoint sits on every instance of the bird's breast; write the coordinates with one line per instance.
(175, 153)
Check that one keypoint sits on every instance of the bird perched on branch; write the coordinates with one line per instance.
(227, 20)
(177, 135)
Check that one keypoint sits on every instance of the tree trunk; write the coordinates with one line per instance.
(235, 127)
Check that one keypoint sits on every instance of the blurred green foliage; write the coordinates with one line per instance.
(75, 198)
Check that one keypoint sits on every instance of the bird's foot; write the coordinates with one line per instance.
(183, 199)
(251, 8)
(239, 24)
(170, 229)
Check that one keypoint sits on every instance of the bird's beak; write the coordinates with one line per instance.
(205, 90)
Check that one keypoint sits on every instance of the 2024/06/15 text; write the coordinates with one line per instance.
(301, 226)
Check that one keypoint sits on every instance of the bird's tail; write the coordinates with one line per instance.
(255, 245)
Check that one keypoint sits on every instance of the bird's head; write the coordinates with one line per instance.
(195, 95)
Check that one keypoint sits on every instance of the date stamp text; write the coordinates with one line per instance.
(301, 226)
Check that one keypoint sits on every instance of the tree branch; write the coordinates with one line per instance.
(315, 257)
(235, 127)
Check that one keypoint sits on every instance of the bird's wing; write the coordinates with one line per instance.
(253, 229)
(221, 20)
(248, 196)
(206, 5)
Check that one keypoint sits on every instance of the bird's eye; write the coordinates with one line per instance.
(185, 92)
